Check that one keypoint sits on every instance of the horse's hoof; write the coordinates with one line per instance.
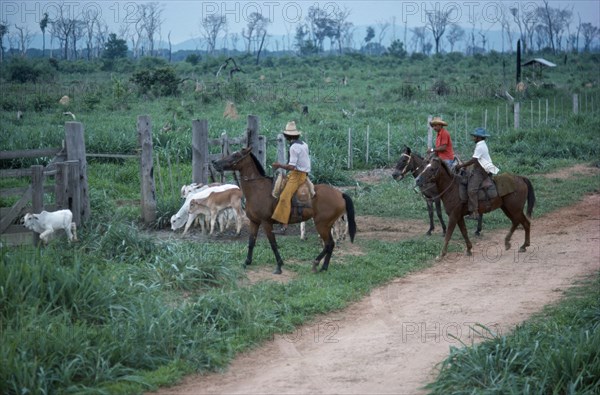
(277, 271)
(428, 233)
(323, 269)
(468, 253)
(507, 246)
(438, 258)
(477, 233)
(522, 249)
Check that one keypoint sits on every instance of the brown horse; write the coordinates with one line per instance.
(412, 162)
(328, 205)
(512, 204)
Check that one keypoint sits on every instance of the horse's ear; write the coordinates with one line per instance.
(246, 150)
(407, 149)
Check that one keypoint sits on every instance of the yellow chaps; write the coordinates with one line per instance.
(284, 206)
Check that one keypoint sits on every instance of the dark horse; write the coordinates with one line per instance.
(414, 163)
(512, 204)
(328, 205)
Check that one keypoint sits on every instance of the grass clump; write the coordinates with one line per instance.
(556, 352)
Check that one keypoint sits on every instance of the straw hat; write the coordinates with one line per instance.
(290, 129)
(437, 121)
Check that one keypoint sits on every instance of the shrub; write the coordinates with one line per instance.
(162, 81)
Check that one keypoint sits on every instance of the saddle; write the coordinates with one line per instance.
(301, 199)
(492, 187)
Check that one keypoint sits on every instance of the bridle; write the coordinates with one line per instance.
(439, 195)
(405, 170)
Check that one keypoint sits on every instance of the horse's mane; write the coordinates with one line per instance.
(446, 168)
(259, 167)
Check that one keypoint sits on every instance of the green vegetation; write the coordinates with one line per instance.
(124, 312)
(556, 352)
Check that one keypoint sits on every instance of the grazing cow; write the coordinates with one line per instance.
(214, 203)
(182, 217)
(47, 222)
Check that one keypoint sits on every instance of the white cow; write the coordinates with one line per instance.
(339, 230)
(217, 202)
(47, 222)
(183, 218)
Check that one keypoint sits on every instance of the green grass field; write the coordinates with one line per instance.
(124, 312)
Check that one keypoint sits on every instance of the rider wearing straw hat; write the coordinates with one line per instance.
(482, 168)
(298, 167)
(443, 143)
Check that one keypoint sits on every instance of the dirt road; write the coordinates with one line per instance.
(391, 341)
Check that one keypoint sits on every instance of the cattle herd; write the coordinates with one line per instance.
(208, 205)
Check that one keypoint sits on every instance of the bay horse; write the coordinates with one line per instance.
(328, 205)
(511, 204)
(412, 162)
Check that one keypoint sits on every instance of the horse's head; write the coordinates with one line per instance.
(232, 161)
(404, 165)
(429, 172)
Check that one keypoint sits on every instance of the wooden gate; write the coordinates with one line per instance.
(68, 167)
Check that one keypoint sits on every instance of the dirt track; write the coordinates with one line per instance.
(391, 341)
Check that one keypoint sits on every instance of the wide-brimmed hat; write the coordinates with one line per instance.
(437, 121)
(290, 129)
(480, 132)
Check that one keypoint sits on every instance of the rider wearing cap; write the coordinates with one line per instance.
(481, 169)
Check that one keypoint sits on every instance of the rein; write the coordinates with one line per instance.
(439, 196)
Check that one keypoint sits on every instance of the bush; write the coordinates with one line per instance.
(162, 81)
(21, 70)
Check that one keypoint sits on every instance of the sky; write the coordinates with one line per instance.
(182, 17)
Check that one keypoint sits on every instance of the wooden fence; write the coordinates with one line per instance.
(68, 168)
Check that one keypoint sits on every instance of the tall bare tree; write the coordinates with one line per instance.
(24, 36)
(63, 28)
(256, 27)
(211, 27)
(383, 27)
(418, 38)
(455, 34)
(90, 21)
(342, 28)
(526, 19)
(589, 33)
(151, 17)
(437, 21)
(3, 32)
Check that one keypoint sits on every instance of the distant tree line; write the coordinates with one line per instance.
(321, 32)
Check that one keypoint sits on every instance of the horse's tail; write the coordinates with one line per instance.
(530, 196)
(350, 214)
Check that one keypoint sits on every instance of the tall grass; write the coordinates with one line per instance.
(556, 352)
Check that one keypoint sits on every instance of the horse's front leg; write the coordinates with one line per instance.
(463, 229)
(430, 212)
(268, 227)
(328, 249)
(438, 209)
(253, 232)
(449, 231)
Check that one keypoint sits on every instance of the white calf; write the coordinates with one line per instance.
(214, 203)
(183, 218)
(47, 222)
(339, 230)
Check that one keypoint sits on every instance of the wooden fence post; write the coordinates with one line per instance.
(575, 103)
(262, 151)
(61, 185)
(252, 130)
(367, 150)
(517, 114)
(148, 189)
(388, 142)
(429, 133)
(75, 145)
(349, 148)
(73, 196)
(200, 151)
(37, 194)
